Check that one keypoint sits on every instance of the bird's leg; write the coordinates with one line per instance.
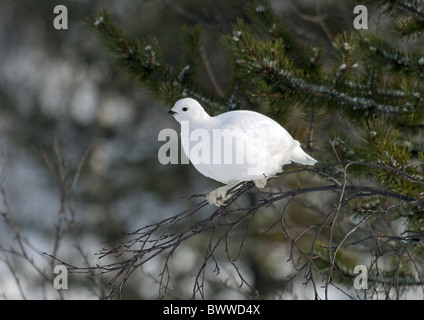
(219, 195)
(260, 183)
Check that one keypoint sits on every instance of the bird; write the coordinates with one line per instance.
(235, 146)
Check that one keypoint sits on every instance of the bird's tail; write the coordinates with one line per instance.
(300, 156)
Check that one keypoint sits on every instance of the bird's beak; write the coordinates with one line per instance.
(172, 112)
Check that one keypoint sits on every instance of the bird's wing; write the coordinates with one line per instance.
(261, 130)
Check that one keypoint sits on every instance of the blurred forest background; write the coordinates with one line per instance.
(79, 143)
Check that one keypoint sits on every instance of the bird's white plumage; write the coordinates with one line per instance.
(235, 146)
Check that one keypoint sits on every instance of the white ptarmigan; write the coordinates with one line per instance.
(235, 146)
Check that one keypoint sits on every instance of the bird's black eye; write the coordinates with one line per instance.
(185, 109)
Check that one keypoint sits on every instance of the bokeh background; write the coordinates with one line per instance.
(68, 115)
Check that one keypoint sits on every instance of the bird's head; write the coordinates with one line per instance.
(188, 109)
